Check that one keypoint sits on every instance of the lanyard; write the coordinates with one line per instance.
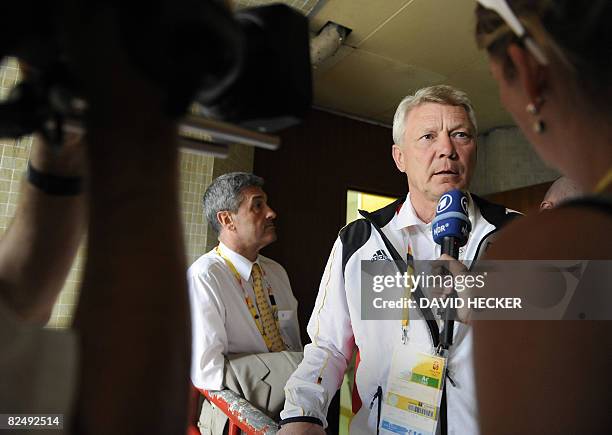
(407, 294)
(432, 324)
(249, 301)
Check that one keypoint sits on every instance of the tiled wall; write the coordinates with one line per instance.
(197, 171)
(506, 161)
(196, 175)
(14, 153)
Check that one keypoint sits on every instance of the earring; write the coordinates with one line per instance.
(533, 108)
(539, 126)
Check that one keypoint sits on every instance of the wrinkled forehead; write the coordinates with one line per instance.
(435, 115)
(250, 193)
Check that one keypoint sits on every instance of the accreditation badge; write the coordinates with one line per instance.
(411, 404)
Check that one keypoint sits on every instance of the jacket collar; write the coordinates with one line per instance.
(407, 216)
(497, 215)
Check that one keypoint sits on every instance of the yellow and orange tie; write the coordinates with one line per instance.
(272, 336)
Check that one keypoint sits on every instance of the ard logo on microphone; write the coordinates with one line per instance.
(445, 202)
(464, 204)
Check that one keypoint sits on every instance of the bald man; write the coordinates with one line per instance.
(560, 191)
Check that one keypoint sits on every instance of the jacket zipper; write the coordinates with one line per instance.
(377, 395)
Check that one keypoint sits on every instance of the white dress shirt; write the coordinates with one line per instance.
(417, 233)
(221, 321)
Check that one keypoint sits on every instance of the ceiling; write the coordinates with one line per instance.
(395, 48)
(307, 7)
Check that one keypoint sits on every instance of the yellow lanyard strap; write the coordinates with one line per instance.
(604, 182)
(249, 302)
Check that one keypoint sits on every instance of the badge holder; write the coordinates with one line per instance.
(411, 404)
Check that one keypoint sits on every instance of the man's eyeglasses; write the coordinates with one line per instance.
(504, 11)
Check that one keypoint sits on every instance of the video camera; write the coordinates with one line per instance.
(251, 68)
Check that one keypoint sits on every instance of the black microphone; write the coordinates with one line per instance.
(451, 228)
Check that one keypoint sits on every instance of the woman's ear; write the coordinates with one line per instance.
(530, 74)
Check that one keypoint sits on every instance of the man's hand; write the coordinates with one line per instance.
(457, 269)
(301, 428)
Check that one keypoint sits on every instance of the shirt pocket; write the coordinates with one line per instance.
(287, 320)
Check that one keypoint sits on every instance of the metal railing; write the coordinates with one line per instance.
(243, 416)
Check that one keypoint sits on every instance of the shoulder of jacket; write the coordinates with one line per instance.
(353, 236)
(356, 234)
(496, 214)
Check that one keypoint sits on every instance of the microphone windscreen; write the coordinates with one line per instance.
(452, 218)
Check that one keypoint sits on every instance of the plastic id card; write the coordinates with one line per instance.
(411, 404)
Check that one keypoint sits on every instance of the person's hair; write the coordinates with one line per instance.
(575, 36)
(441, 94)
(225, 194)
(562, 189)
